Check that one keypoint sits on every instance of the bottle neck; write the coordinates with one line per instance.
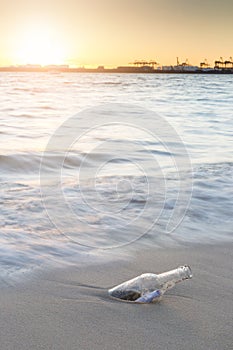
(176, 275)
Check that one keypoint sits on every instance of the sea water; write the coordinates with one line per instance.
(94, 165)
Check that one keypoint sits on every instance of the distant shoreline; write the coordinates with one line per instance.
(121, 70)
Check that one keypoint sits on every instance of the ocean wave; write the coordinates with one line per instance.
(29, 163)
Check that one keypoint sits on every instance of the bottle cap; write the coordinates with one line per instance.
(186, 272)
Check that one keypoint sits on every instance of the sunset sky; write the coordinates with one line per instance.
(114, 32)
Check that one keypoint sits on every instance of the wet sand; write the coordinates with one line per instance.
(70, 308)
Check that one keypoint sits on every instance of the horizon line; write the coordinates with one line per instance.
(135, 63)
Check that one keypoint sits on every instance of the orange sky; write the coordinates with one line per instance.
(113, 32)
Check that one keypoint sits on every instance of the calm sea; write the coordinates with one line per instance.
(93, 166)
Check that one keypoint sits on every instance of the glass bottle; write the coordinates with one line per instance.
(149, 283)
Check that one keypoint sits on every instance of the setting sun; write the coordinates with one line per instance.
(40, 46)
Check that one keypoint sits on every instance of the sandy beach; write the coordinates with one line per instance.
(70, 308)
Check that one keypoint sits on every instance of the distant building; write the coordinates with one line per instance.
(57, 66)
(167, 68)
(31, 66)
(130, 69)
(184, 67)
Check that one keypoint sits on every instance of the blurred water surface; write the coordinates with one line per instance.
(34, 105)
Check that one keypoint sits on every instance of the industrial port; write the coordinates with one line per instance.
(220, 66)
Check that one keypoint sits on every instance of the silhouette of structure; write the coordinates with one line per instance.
(143, 63)
(204, 64)
(138, 66)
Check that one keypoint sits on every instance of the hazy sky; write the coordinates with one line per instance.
(114, 32)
